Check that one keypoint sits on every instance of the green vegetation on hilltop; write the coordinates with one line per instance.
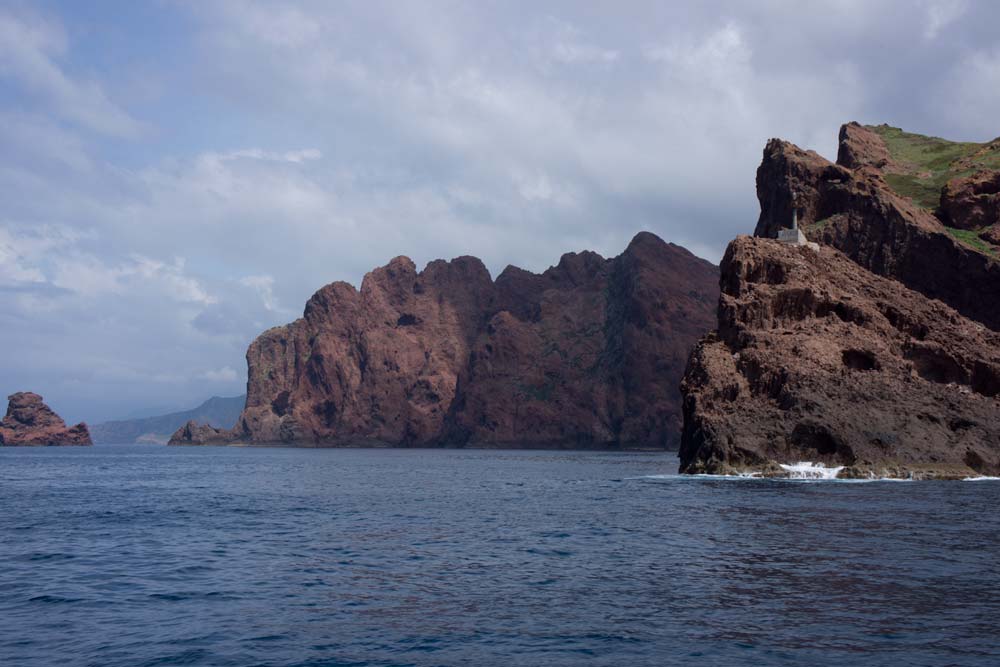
(971, 238)
(924, 164)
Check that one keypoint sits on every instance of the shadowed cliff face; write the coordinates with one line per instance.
(817, 359)
(30, 422)
(588, 353)
(852, 207)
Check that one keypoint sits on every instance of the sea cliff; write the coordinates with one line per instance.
(588, 354)
(877, 352)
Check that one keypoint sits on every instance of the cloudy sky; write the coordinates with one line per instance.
(177, 176)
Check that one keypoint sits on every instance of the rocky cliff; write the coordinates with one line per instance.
(30, 422)
(885, 210)
(587, 354)
(817, 359)
(879, 352)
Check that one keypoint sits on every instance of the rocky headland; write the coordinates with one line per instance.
(878, 353)
(588, 354)
(29, 422)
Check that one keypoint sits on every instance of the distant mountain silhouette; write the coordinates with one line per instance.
(217, 411)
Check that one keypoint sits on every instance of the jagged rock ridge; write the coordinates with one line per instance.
(587, 354)
(29, 421)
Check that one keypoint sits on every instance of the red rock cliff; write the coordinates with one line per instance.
(588, 353)
(851, 207)
(30, 422)
(879, 351)
(818, 359)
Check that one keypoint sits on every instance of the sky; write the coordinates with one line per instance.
(176, 177)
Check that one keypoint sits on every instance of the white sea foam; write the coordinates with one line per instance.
(686, 477)
(983, 478)
(810, 470)
(801, 471)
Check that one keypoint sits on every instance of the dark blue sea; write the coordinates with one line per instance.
(145, 555)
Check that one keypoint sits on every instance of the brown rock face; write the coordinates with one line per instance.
(588, 353)
(30, 422)
(855, 211)
(972, 202)
(369, 367)
(860, 147)
(818, 359)
(992, 235)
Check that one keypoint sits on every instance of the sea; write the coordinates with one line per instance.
(148, 555)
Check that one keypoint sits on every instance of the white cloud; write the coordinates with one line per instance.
(942, 13)
(29, 46)
(282, 26)
(537, 186)
(43, 141)
(973, 93)
(713, 56)
(258, 154)
(224, 374)
(17, 257)
(247, 183)
(264, 285)
(567, 45)
(51, 256)
(170, 276)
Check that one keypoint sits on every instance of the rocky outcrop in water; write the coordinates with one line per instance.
(30, 422)
(587, 354)
(193, 433)
(817, 359)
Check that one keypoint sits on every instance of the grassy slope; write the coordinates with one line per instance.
(924, 164)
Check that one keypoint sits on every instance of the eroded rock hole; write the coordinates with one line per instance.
(818, 438)
(986, 379)
(327, 412)
(280, 403)
(961, 424)
(850, 314)
(937, 366)
(407, 320)
(903, 324)
(860, 360)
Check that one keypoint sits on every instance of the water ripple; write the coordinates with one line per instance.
(124, 556)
